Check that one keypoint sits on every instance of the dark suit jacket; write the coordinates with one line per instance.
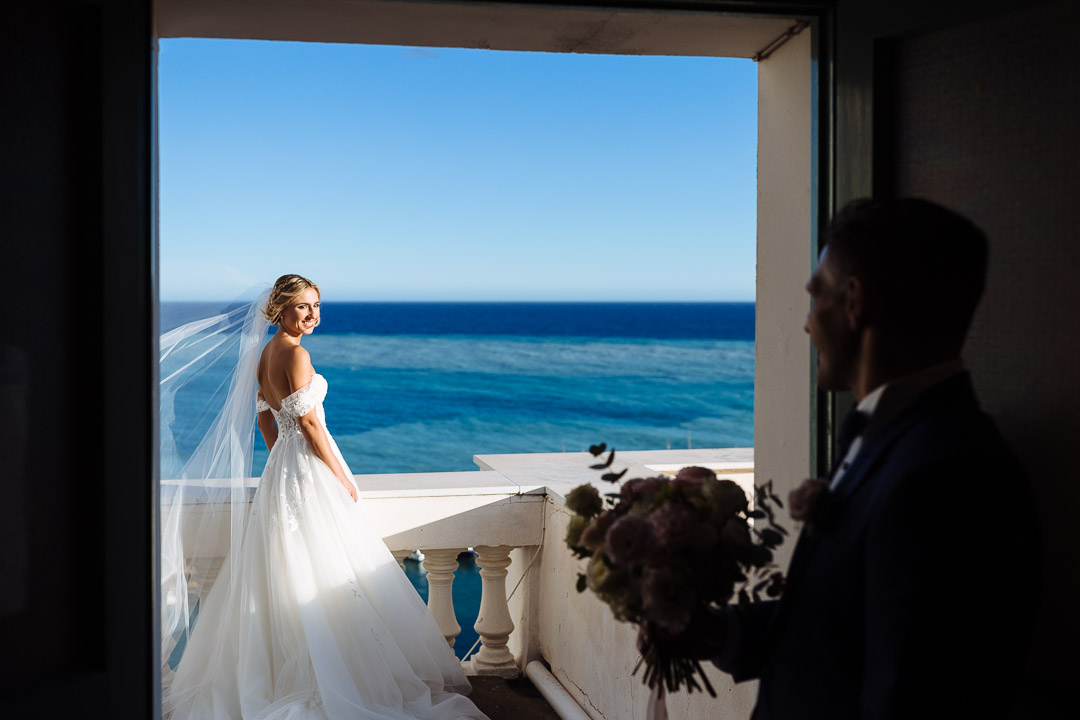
(915, 599)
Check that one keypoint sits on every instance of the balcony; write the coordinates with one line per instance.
(512, 513)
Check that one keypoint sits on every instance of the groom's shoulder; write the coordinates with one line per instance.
(954, 450)
(955, 443)
(947, 421)
(947, 445)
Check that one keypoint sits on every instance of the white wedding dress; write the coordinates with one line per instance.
(321, 623)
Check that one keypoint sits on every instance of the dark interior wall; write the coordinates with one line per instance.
(76, 544)
(974, 104)
(51, 232)
(985, 118)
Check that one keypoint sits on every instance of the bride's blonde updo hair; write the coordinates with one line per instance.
(285, 290)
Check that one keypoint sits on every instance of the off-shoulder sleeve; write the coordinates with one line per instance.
(261, 405)
(301, 402)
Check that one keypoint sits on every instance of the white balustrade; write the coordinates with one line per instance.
(440, 566)
(501, 510)
(494, 624)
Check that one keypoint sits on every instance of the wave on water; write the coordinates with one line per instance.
(427, 404)
(569, 357)
(441, 445)
(549, 378)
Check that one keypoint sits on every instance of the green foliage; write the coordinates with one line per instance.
(585, 501)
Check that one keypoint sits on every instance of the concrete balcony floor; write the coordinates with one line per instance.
(514, 699)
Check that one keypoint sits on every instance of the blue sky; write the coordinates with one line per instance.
(390, 173)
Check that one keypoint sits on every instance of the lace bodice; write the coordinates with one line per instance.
(296, 405)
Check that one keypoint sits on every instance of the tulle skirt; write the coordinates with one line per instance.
(319, 622)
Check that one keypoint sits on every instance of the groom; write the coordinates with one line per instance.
(909, 591)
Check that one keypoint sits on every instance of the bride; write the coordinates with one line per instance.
(310, 616)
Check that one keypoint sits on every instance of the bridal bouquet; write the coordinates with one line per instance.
(667, 554)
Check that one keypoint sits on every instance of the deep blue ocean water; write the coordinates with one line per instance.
(422, 387)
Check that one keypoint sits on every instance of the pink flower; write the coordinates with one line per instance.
(641, 489)
(598, 574)
(664, 599)
(630, 540)
(594, 535)
(705, 536)
(689, 481)
(674, 525)
(613, 586)
(725, 498)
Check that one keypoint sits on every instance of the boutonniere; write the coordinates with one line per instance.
(814, 504)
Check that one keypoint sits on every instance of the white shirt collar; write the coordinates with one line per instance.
(869, 404)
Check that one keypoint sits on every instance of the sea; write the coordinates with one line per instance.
(422, 387)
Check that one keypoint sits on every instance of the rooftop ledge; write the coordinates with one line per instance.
(537, 473)
(558, 473)
(544, 473)
(496, 505)
(417, 510)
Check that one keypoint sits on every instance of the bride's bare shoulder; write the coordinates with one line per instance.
(285, 362)
(282, 353)
(296, 362)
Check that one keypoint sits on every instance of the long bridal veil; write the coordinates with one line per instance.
(301, 608)
(207, 405)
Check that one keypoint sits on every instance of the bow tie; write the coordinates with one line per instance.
(852, 427)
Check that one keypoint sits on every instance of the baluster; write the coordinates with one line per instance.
(440, 566)
(493, 624)
(400, 556)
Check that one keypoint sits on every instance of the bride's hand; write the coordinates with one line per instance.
(349, 488)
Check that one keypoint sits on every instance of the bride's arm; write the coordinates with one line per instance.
(300, 373)
(316, 439)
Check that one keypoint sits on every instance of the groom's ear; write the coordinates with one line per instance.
(855, 315)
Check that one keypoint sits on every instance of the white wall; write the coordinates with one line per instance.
(599, 679)
(782, 382)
